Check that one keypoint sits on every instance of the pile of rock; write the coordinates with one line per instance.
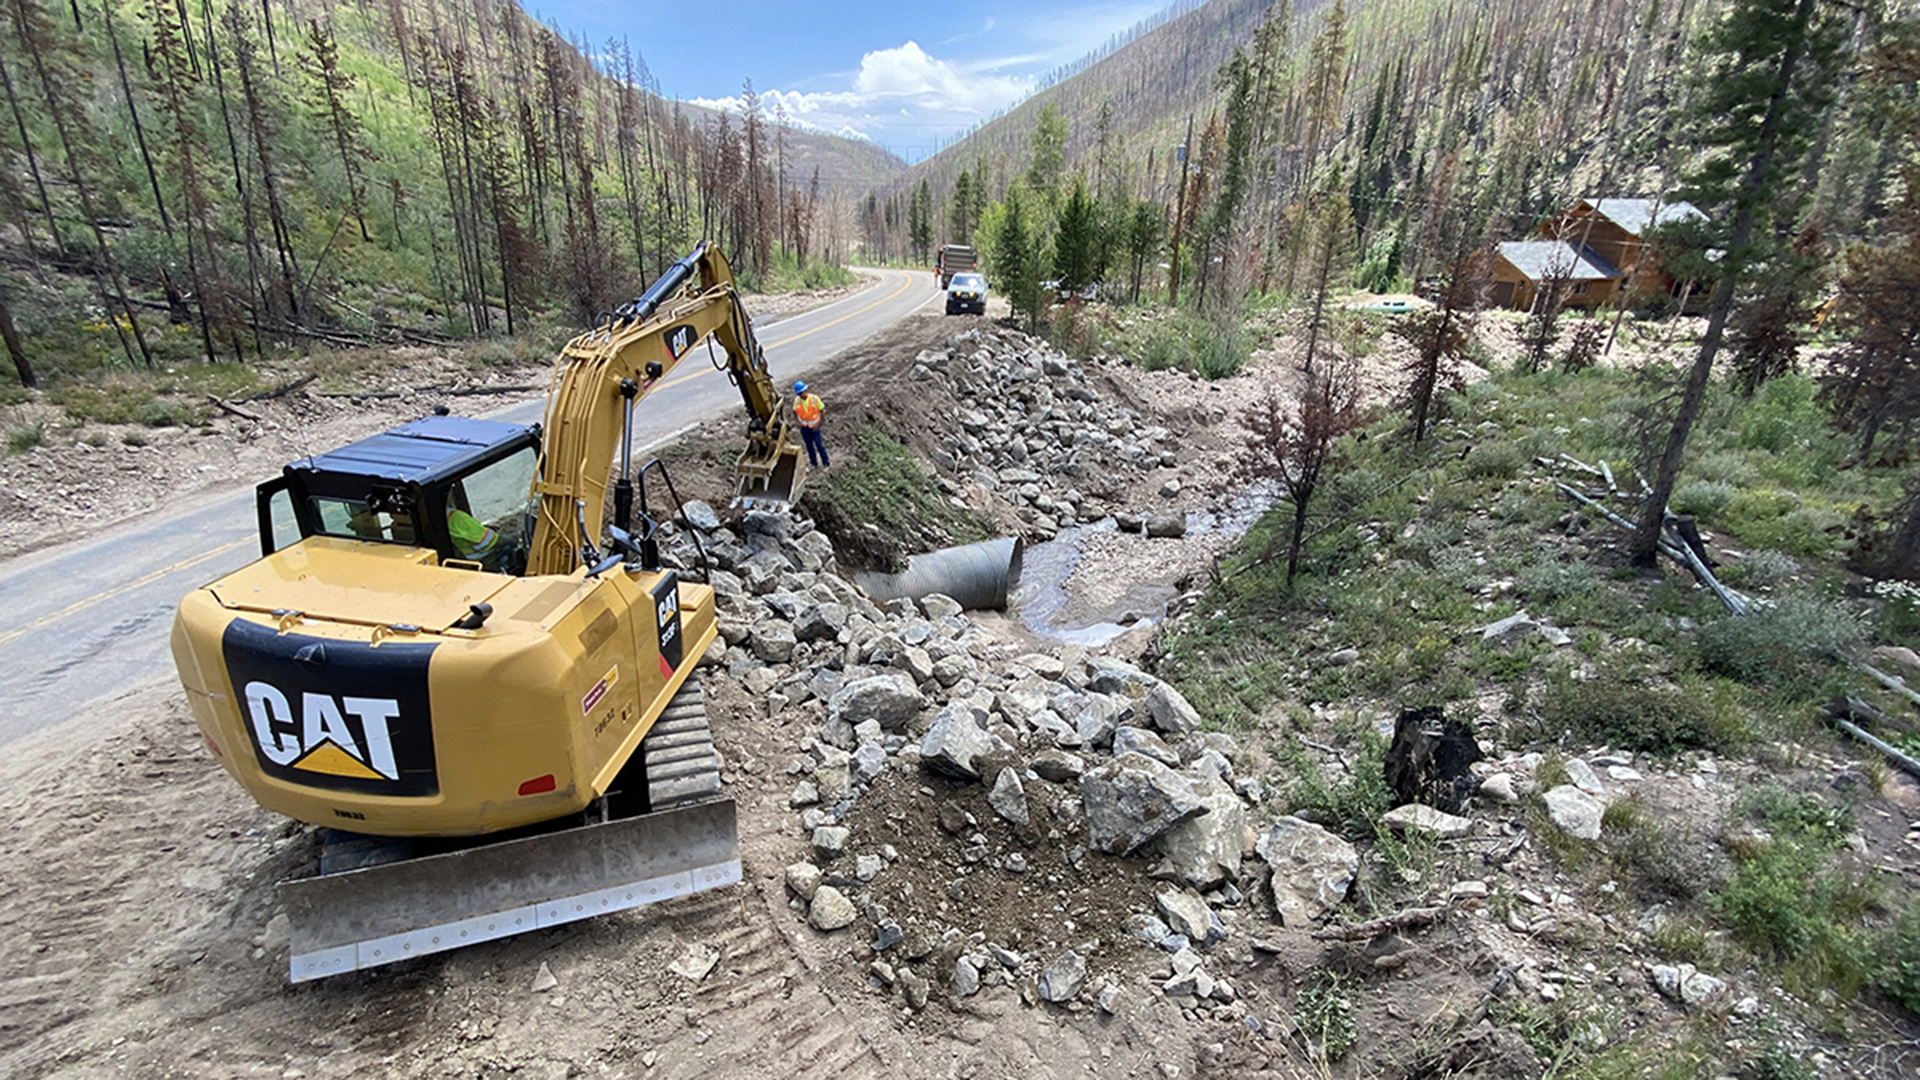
(1070, 755)
(1031, 421)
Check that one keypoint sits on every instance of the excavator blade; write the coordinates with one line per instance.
(382, 914)
(770, 485)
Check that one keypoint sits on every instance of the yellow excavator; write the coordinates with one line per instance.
(482, 696)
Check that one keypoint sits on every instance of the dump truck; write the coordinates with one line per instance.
(954, 259)
(470, 674)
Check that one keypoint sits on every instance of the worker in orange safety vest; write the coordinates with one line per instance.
(807, 408)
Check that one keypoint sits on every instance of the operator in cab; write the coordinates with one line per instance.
(473, 539)
(807, 408)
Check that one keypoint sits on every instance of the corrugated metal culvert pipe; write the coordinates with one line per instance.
(977, 575)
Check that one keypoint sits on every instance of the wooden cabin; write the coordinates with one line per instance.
(1598, 247)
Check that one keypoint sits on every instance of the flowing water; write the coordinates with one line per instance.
(1040, 598)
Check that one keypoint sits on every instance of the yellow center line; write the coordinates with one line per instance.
(908, 284)
(82, 605)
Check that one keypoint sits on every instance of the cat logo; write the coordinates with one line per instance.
(666, 620)
(322, 740)
(679, 340)
(341, 715)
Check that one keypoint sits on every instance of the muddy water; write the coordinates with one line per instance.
(1040, 599)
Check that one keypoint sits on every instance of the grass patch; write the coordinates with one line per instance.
(879, 506)
(1351, 803)
(1786, 902)
(24, 437)
(1627, 707)
(1190, 343)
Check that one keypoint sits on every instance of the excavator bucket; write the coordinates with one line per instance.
(770, 482)
(382, 914)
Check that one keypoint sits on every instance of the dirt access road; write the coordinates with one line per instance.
(89, 620)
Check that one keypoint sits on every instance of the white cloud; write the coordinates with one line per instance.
(892, 83)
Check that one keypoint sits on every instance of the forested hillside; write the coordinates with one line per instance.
(1506, 109)
(199, 178)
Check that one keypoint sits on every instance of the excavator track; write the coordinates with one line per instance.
(682, 767)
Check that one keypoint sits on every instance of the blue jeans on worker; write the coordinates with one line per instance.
(816, 447)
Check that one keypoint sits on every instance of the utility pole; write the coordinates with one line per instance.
(1179, 215)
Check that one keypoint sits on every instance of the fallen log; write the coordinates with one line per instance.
(235, 410)
(280, 391)
(1386, 924)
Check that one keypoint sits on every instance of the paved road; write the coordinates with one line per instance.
(89, 620)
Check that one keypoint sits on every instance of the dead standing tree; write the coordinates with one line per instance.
(1293, 444)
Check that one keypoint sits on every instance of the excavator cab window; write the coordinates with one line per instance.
(379, 516)
(499, 496)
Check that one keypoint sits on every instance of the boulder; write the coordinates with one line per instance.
(1059, 766)
(773, 642)
(892, 700)
(1166, 524)
(1574, 812)
(804, 879)
(1414, 817)
(830, 909)
(830, 840)
(820, 622)
(1312, 869)
(966, 979)
(699, 515)
(1581, 775)
(1063, 978)
(1170, 711)
(1132, 799)
(1008, 798)
(940, 605)
(1203, 852)
(1133, 740)
(1188, 915)
(957, 737)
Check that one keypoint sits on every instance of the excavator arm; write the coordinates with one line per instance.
(603, 375)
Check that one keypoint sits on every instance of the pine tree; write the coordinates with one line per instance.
(1075, 239)
(920, 222)
(1049, 159)
(1765, 84)
(1331, 249)
(1016, 257)
(332, 90)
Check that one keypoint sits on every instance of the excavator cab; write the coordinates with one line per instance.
(457, 486)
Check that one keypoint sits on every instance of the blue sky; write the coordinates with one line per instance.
(902, 74)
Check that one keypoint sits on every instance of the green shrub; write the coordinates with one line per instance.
(1162, 350)
(1781, 415)
(24, 437)
(1899, 975)
(1325, 1017)
(1625, 709)
(1664, 860)
(1220, 353)
(1351, 804)
(162, 412)
(1724, 467)
(1495, 461)
(1706, 499)
(1545, 582)
(1788, 643)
